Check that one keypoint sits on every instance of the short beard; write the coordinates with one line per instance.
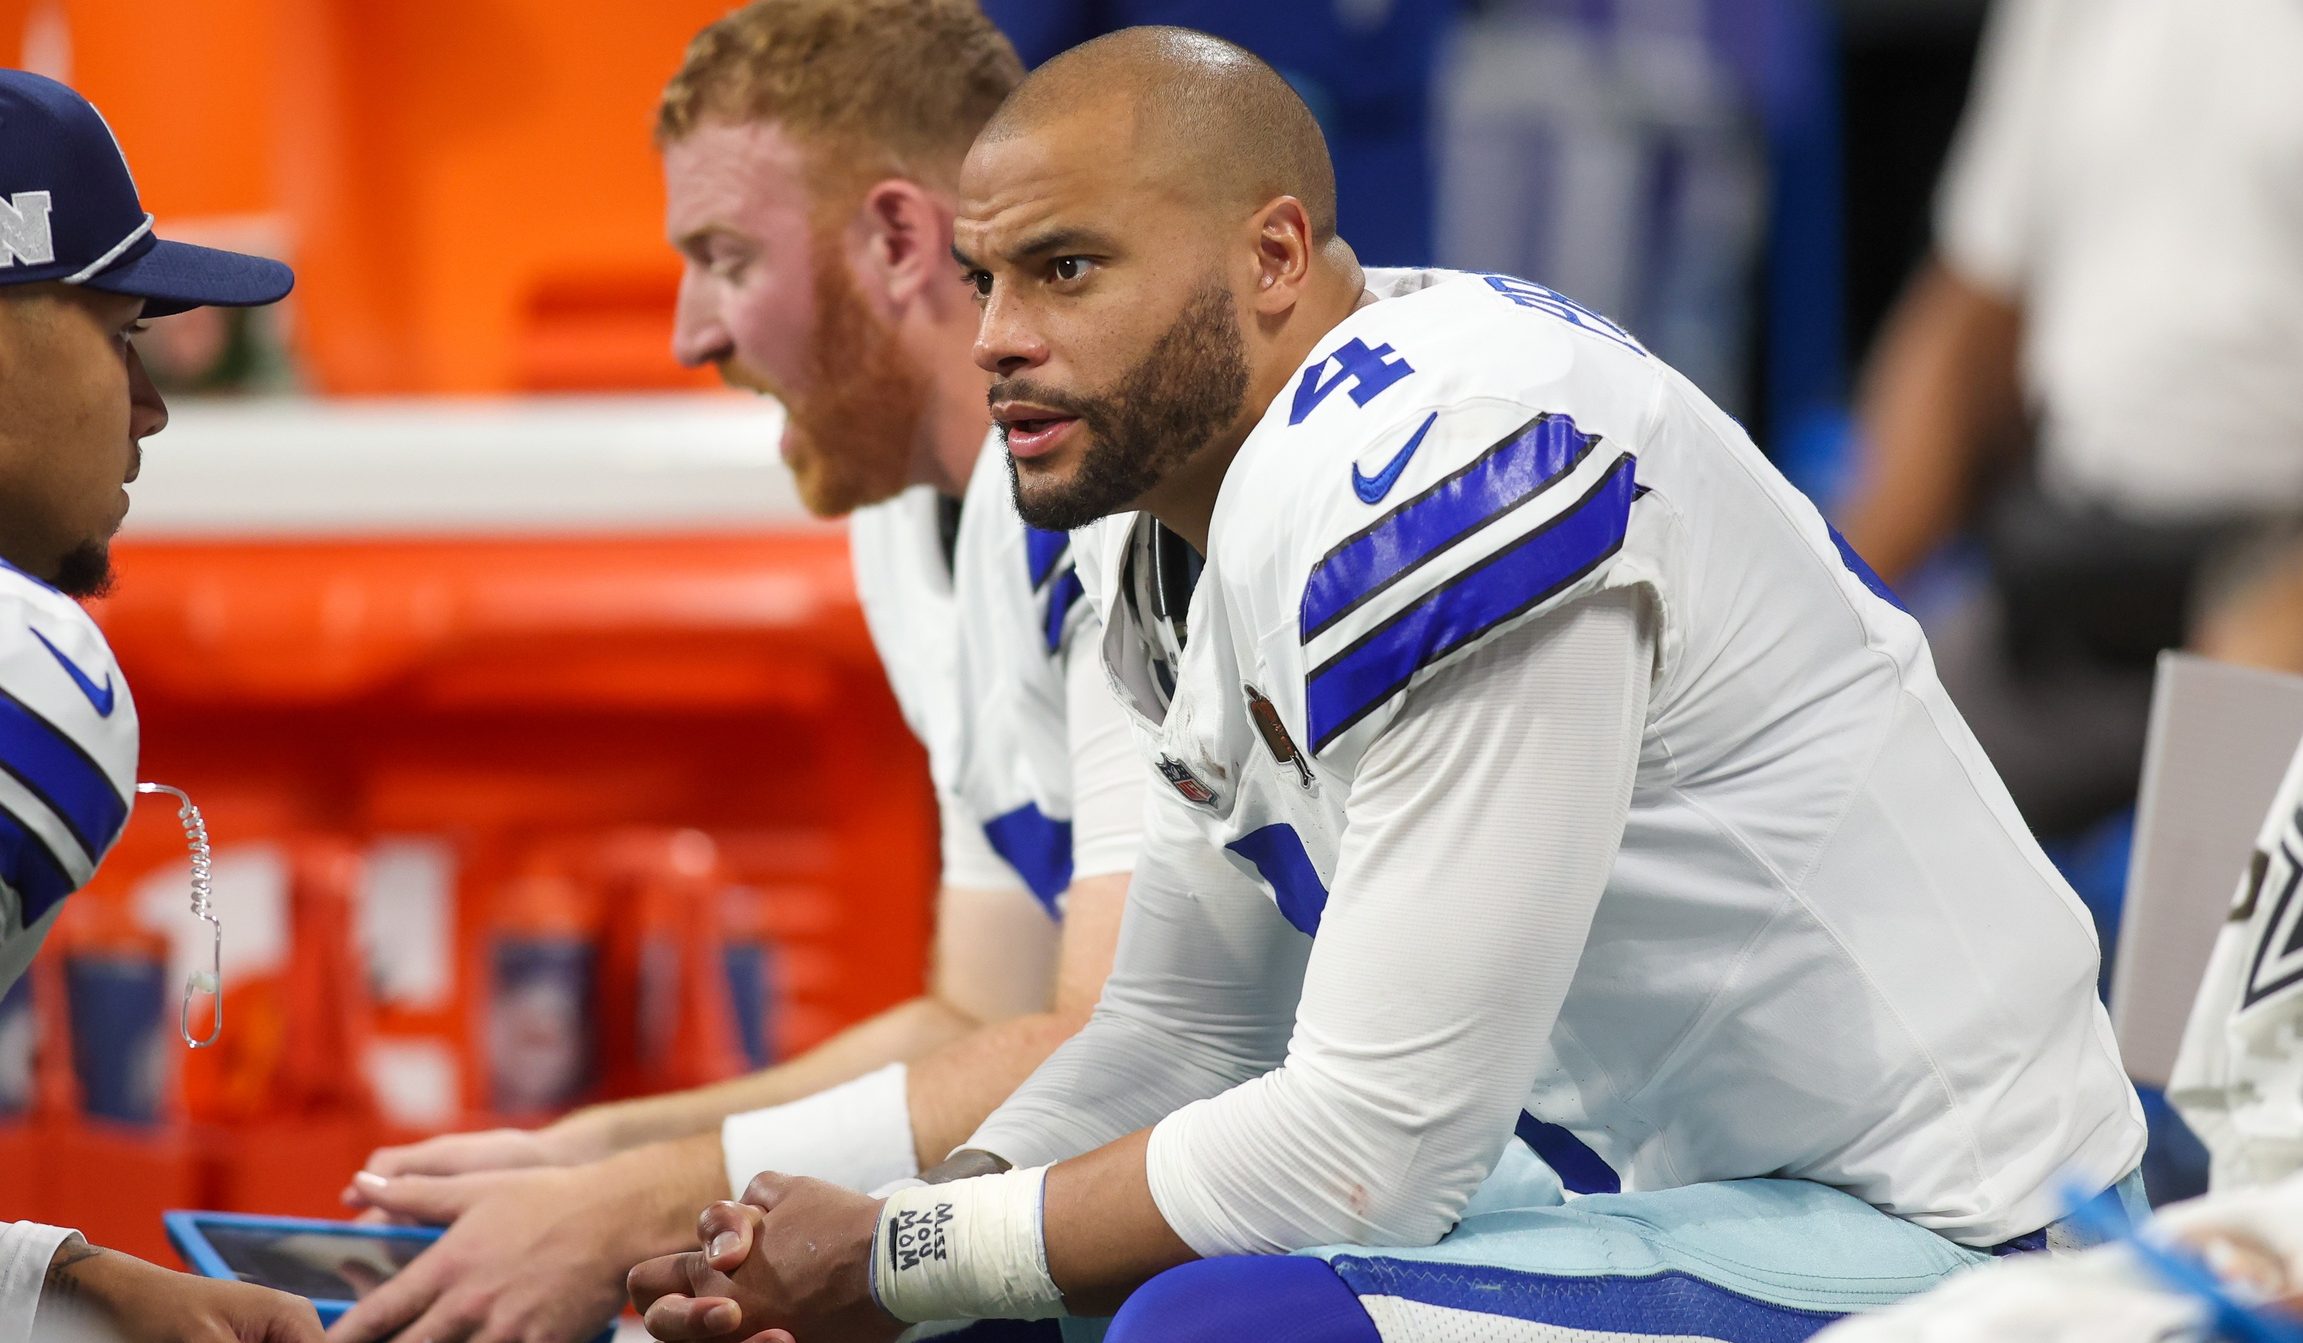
(855, 427)
(1188, 389)
(85, 571)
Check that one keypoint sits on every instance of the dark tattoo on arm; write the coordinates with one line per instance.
(964, 1164)
(70, 1255)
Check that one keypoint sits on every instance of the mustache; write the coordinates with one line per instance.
(1023, 389)
(734, 374)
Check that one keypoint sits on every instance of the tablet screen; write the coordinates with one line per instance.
(322, 1265)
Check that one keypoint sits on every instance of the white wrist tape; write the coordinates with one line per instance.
(858, 1135)
(971, 1249)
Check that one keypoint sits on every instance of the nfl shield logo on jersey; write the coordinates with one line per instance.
(1187, 783)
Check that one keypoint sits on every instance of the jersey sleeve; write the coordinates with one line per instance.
(1455, 523)
(1393, 1104)
(68, 744)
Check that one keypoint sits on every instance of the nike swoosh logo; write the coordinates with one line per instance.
(98, 695)
(1372, 489)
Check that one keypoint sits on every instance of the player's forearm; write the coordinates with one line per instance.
(900, 1034)
(661, 1187)
(1941, 394)
(1105, 1234)
(953, 1090)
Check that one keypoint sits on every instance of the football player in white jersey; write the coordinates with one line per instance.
(80, 269)
(1534, 773)
(811, 155)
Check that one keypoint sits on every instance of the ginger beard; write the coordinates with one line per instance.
(1186, 390)
(851, 434)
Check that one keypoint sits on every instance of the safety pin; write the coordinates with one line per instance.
(211, 980)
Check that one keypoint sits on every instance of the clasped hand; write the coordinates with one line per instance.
(791, 1261)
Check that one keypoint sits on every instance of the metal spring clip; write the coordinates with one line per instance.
(211, 980)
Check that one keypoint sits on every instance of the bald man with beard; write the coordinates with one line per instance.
(1543, 797)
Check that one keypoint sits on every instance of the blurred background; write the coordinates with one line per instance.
(545, 753)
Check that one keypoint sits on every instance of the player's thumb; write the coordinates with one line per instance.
(725, 1231)
(424, 1198)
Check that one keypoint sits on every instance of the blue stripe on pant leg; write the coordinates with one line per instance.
(1745, 1259)
(1666, 1303)
(1259, 1298)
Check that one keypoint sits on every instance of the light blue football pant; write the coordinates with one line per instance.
(1746, 1261)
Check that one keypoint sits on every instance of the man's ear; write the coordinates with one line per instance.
(1284, 252)
(908, 239)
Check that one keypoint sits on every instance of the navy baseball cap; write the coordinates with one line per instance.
(69, 212)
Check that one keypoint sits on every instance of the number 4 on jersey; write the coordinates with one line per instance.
(1368, 371)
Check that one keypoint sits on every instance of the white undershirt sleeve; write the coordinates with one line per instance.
(1107, 772)
(1443, 954)
(26, 1248)
(1200, 999)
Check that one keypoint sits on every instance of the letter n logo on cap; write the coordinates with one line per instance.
(24, 234)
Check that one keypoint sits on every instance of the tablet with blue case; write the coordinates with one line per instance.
(331, 1264)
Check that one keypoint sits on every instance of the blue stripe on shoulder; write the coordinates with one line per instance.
(1580, 1170)
(1356, 681)
(46, 760)
(1278, 853)
(1062, 597)
(30, 869)
(1863, 571)
(1671, 1304)
(1507, 475)
(1042, 549)
(1038, 847)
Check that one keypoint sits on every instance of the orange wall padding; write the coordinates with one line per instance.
(468, 192)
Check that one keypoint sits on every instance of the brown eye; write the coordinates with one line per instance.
(1070, 268)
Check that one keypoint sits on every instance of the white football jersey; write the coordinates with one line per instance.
(2239, 1078)
(1829, 948)
(974, 643)
(67, 759)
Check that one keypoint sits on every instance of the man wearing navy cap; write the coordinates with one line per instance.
(80, 269)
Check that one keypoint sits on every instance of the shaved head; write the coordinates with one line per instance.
(1206, 114)
(1149, 225)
